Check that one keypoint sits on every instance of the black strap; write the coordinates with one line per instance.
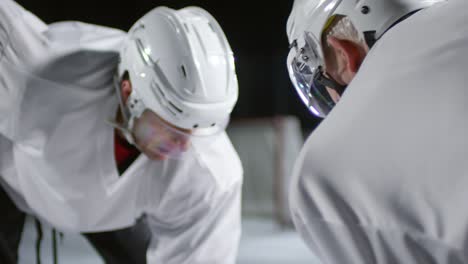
(323, 80)
(40, 235)
(38, 240)
(54, 245)
(369, 37)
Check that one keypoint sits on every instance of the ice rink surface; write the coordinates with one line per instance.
(263, 242)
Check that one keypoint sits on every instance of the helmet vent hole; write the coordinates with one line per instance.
(183, 71)
(171, 111)
(175, 107)
(160, 91)
(365, 10)
(214, 124)
(195, 126)
(212, 27)
(139, 27)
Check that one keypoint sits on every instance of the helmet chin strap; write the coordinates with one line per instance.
(329, 82)
(127, 124)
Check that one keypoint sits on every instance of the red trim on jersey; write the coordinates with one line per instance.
(124, 152)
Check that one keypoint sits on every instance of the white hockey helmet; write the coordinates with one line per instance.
(181, 68)
(309, 18)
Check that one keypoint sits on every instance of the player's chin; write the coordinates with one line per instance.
(155, 156)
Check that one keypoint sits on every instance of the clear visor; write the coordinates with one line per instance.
(159, 139)
(305, 62)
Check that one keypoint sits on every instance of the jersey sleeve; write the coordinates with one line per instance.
(22, 44)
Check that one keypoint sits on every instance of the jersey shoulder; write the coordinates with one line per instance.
(218, 156)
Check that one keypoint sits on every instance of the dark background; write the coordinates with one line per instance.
(255, 29)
